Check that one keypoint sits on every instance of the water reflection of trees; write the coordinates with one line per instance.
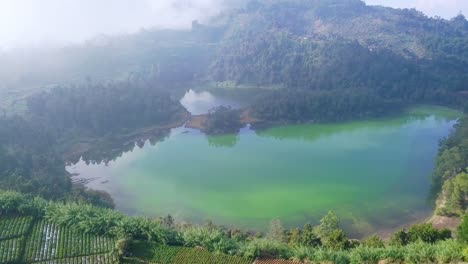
(113, 147)
(223, 141)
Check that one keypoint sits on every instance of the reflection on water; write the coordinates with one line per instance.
(372, 173)
(198, 103)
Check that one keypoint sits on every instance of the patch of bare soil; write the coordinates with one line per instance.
(441, 222)
(197, 122)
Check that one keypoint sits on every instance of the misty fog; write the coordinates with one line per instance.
(57, 22)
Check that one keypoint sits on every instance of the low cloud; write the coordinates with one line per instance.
(443, 8)
(33, 22)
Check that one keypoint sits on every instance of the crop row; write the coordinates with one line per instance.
(165, 254)
(14, 227)
(10, 250)
(49, 242)
(93, 259)
(201, 256)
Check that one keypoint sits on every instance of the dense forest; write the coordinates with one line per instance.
(450, 174)
(33, 145)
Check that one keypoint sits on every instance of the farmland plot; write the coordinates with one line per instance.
(50, 242)
(10, 250)
(14, 227)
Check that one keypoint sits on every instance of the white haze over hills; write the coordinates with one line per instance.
(26, 23)
(443, 8)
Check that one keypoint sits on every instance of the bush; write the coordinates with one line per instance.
(399, 238)
(420, 252)
(465, 253)
(86, 218)
(449, 251)
(266, 248)
(139, 228)
(323, 255)
(302, 253)
(366, 255)
(337, 240)
(14, 203)
(374, 242)
(427, 233)
(211, 239)
(394, 254)
(462, 230)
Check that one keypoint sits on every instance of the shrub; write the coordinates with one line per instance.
(399, 238)
(465, 253)
(302, 253)
(140, 228)
(394, 254)
(266, 248)
(449, 251)
(366, 255)
(20, 204)
(427, 233)
(374, 242)
(86, 218)
(309, 237)
(341, 257)
(337, 240)
(420, 252)
(323, 255)
(462, 230)
(211, 239)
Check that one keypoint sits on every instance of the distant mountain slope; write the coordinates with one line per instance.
(331, 44)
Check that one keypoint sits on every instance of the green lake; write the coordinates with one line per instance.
(374, 174)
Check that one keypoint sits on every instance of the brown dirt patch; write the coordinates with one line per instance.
(197, 122)
(441, 222)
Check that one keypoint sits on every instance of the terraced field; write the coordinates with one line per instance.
(26, 241)
(148, 253)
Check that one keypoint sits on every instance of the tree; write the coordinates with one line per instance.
(328, 224)
(309, 237)
(399, 238)
(295, 237)
(276, 232)
(337, 240)
(222, 120)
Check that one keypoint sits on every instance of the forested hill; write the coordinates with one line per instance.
(340, 44)
(320, 45)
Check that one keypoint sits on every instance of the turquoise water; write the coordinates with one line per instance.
(375, 174)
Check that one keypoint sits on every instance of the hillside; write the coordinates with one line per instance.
(325, 45)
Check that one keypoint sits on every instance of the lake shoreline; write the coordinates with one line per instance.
(196, 122)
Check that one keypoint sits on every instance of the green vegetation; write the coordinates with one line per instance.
(450, 173)
(61, 232)
(97, 110)
(223, 120)
(328, 60)
(321, 106)
(32, 146)
(147, 252)
(44, 242)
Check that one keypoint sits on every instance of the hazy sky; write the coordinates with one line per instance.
(443, 8)
(34, 22)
